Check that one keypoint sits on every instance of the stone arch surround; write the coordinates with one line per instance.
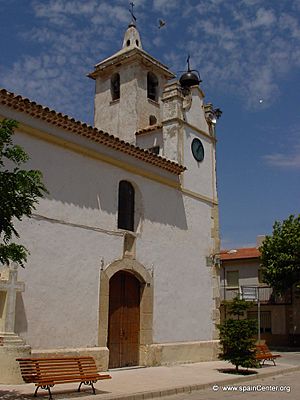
(146, 305)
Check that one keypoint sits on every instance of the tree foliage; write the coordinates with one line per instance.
(280, 255)
(237, 336)
(20, 190)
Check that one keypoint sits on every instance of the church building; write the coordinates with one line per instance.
(121, 263)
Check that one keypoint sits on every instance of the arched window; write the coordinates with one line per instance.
(115, 86)
(126, 206)
(152, 86)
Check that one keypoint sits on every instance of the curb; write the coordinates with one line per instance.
(191, 388)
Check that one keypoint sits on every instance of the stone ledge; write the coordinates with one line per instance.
(178, 353)
(9, 367)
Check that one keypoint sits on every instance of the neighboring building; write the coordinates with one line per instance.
(119, 249)
(279, 321)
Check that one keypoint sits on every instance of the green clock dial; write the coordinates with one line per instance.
(197, 149)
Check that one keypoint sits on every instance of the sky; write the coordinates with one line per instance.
(248, 56)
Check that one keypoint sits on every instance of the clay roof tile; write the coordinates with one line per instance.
(23, 104)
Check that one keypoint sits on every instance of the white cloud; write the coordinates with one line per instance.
(283, 160)
(165, 6)
(288, 154)
(246, 50)
(264, 18)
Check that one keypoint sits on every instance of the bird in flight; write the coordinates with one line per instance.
(162, 23)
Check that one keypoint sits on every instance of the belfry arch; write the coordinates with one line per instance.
(134, 268)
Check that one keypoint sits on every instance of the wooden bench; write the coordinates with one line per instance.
(47, 372)
(263, 354)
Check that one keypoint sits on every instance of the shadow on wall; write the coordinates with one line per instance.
(74, 179)
(21, 324)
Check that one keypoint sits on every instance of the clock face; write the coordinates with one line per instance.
(197, 149)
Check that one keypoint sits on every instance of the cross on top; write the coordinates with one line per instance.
(131, 11)
(11, 286)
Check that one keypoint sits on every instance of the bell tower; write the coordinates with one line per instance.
(129, 87)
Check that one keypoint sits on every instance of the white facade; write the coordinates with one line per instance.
(73, 238)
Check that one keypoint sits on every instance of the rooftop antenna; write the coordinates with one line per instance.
(188, 63)
(132, 15)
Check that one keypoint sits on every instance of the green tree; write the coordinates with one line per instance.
(237, 336)
(20, 190)
(280, 255)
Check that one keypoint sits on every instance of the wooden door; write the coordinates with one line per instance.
(124, 320)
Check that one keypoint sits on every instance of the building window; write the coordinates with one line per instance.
(126, 206)
(152, 120)
(232, 278)
(115, 86)
(154, 149)
(152, 86)
(265, 320)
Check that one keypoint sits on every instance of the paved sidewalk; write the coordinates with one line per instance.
(147, 383)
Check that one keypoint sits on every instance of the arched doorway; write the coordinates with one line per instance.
(124, 320)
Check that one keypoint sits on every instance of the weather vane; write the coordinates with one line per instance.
(131, 11)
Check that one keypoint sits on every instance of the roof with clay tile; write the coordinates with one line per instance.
(65, 122)
(148, 129)
(239, 254)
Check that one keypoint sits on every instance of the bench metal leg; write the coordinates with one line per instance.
(89, 383)
(35, 393)
(50, 395)
(45, 388)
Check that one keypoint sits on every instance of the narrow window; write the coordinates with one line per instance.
(152, 120)
(232, 278)
(126, 206)
(115, 86)
(152, 86)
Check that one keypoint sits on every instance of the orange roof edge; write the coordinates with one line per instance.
(35, 110)
(239, 254)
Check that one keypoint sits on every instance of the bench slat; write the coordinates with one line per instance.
(56, 370)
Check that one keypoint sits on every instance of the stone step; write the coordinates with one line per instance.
(11, 339)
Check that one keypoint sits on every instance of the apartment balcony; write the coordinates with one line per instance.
(265, 294)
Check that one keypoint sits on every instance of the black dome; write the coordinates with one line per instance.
(189, 79)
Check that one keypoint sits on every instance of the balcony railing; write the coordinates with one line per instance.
(265, 293)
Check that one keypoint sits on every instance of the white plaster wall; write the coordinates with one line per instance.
(60, 305)
(195, 114)
(248, 272)
(149, 140)
(199, 176)
(131, 112)
(182, 281)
